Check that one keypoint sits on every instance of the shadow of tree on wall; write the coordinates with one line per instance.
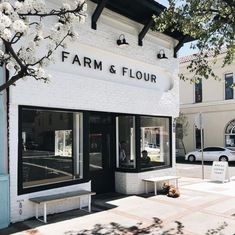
(156, 228)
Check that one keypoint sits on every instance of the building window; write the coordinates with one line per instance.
(154, 142)
(230, 134)
(198, 91)
(50, 152)
(228, 86)
(126, 142)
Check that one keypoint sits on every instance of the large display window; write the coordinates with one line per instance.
(51, 147)
(143, 142)
(59, 148)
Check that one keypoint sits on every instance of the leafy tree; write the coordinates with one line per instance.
(211, 22)
(30, 34)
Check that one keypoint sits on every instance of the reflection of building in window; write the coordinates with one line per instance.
(151, 141)
(126, 142)
(63, 143)
(155, 140)
(51, 151)
(95, 152)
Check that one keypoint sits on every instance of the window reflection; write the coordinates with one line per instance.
(155, 148)
(126, 142)
(95, 154)
(51, 146)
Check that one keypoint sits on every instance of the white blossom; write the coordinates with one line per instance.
(6, 34)
(84, 7)
(39, 5)
(6, 56)
(19, 26)
(82, 19)
(65, 45)
(10, 65)
(66, 6)
(13, 16)
(40, 72)
(18, 5)
(6, 7)
(30, 36)
(45, 62)
(79, 2)
(5, 20)
(28, 6)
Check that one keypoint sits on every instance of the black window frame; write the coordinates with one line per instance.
(138, 168)
(86, 177)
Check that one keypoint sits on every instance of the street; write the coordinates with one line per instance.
(189, 169)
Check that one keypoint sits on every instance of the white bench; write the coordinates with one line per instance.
(155, 180)
(44, 200)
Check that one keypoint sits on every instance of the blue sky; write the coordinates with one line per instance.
(185, 50)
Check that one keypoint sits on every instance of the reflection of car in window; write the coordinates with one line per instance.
(150, 145)
(152, 149)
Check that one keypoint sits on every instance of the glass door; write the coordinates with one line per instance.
(101, 153)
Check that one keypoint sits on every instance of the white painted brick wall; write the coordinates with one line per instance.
(73, 91)
(132, 183)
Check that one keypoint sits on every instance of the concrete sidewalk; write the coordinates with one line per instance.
(204, 207)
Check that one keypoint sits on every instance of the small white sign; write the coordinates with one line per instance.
(220, 171)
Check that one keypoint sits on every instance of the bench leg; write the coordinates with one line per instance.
(36, 211)
(155, 188)
(89, 203)
(176, 182)
(80, 202)
(45, 212)
(146, 187)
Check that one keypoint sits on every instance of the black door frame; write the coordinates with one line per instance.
(110, 162)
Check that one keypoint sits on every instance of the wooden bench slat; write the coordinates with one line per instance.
(61, 196)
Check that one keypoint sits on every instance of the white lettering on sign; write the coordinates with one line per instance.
(220, 171)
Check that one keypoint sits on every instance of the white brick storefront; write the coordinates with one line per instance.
(79, 88)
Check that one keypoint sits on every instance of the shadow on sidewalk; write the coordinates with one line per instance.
(100, 203)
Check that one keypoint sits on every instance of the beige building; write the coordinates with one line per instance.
(215, 100)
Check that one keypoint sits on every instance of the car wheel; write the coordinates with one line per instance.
(223, 159)
(191, 158)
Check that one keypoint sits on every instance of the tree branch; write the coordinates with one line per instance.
(50, 52)
(10, 50)
(53, 12)
(12, 80)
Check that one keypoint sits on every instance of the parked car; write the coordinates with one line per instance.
(211, 154)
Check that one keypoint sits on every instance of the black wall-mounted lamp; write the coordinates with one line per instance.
(161, 54)
(122, 41)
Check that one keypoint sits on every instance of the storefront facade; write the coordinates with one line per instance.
(88, 127)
